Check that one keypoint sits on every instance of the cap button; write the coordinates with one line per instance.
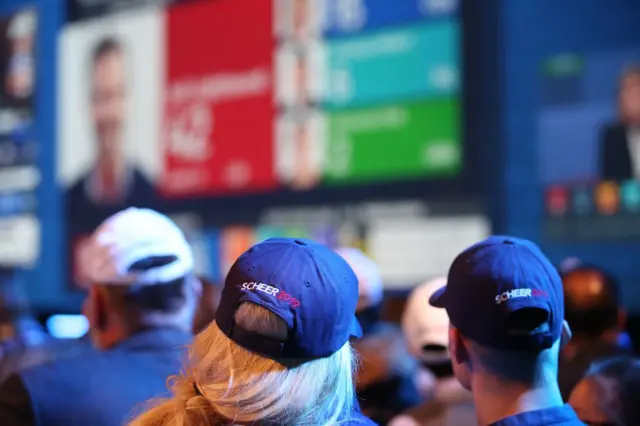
(510, 242)
(300, 242)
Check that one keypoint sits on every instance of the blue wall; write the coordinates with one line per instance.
(44, 284)
(531, 31)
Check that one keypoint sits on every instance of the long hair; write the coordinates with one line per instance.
(225, 383)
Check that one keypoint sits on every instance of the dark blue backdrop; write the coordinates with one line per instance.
(531, 32)
(43, 283)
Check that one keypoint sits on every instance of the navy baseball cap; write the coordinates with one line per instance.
(308, 285)
(504, 293)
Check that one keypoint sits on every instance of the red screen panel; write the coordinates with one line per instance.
(218, 110)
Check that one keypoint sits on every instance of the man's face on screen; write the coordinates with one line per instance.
(302, 138)
(109, 101)
(630, 99)
(301, 79)
(299, 16)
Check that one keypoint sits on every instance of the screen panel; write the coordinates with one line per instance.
(212, 101)
(587, 151)
(20, 175)
(299, 106)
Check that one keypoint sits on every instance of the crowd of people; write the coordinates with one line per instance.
(295, 336)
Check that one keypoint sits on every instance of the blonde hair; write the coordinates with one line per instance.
(236, 385)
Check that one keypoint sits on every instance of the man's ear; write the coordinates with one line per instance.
(99, 306)
(566, 334)
(457, 348)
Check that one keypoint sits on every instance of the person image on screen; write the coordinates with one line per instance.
(20, 68)
(300, 78)
(620, 141)
(305, 171)
(300, 18)
(112, 180)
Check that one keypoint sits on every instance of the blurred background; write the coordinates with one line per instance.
(407, 128)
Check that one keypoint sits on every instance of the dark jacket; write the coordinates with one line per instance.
(99, 388)
(140, 193)
(383, 348)
(615, 158)
(18, 356)
(451, 405)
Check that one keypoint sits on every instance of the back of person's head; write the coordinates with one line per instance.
(139, 270)
(208, 304)
(608, 393)
(278, 351)
(505, 303)
(370, 286)
(592, 305)
(426, 329)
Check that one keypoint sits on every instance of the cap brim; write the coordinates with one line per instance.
(356, 329)
(437, 299)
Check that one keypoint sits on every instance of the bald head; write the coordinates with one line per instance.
(591, 301)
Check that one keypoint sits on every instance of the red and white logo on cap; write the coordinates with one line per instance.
(272, 291)
(519, 293)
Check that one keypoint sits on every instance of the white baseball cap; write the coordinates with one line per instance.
(425, 326)
(369, 277)
(130, 236)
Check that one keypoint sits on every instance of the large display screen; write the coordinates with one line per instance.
(589, 156)
(186, 108)
(203, 99)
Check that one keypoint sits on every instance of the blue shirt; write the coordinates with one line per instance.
(555, 416)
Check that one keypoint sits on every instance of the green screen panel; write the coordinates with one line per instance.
(394, 142)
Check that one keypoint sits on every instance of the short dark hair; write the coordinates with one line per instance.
(144, 306)
(105, 46)
(161, 298)
(624, 372)
(137, 303)
(590, 316)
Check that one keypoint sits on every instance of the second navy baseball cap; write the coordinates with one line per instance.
(504, 293)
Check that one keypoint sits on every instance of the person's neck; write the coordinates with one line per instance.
(449, 389)
(632, 122)
(497, 399)
(110, 176)
(109, 168)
